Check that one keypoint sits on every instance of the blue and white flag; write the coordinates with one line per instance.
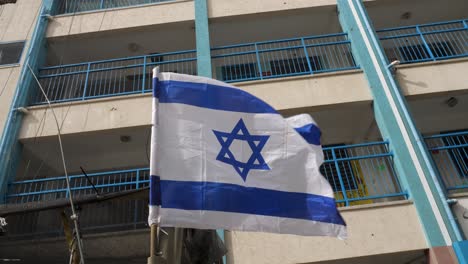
(222, 158)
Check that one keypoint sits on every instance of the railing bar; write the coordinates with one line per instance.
(399, 36)
(421, 25)
(340, 55)
(171, 62)
(443, 31)
(77, 176)
(333, 56)
(377, 197)
(74, 189)
(460, 46)
(454, 152)
(449, 147)
(55, 91)
(337, 167)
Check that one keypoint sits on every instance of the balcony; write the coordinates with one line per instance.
(450, 154)
(131, 75)
(283, 58)
(252, 61)
(428, 42)
(359, 174)
(67, 7)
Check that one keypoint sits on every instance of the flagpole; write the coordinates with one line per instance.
(155, 248)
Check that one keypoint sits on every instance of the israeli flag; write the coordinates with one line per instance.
(222, 158)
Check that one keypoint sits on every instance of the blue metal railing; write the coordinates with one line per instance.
(361, 173)
(52, 188)
(427, 42)
(253, 61)
(96, 79)
(74, 6)
(233, 63)
(106, 216)
(282, 58)
(450, 154)
(356, 173)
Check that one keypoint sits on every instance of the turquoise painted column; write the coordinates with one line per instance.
(202, 34)
(412, 160)
(10, 148)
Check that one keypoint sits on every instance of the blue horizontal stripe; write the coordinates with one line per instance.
(209, 96)
(311, 133)
(155, 190)
(223, 197)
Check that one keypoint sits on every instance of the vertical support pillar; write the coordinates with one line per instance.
(412, 160)
(202, 35)
(10, 148)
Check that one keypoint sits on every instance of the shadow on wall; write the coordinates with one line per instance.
(460, 209)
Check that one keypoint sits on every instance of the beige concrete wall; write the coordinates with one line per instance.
(303, 92)
(223, 8)
(121, 18)
(8, 79)
(166, 12)
(120, 112)
(17, 22)
(376, 230)
(434, 77)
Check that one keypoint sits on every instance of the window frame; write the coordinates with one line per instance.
(458, 155)
(346, 169)
(234, 71)
(20, 57)
(420, 52)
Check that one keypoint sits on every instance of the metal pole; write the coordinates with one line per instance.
(155, 249)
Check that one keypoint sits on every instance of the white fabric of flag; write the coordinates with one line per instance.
(222, 158)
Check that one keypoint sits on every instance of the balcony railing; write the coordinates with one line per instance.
(53, 188)
(361, 173)
(113, 215)
(96, 79)
(358, 174)
(253, 61)
(282, 58)
(74, 6)
(107, 216)
(428, 42)
(450, 154)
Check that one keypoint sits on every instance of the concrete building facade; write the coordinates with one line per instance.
(386, 80)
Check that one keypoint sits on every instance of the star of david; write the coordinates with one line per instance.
(256, 143)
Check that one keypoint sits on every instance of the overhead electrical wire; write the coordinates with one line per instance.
(74, 216)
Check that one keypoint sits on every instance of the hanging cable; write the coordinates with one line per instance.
(90, 182)
(74, 216)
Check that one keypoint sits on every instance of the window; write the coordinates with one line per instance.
(2, 2)
(295, 65)
(10, 53)
(350, 172)
(329, 170)
(239, 71)
(458, 154)
(419, 52)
